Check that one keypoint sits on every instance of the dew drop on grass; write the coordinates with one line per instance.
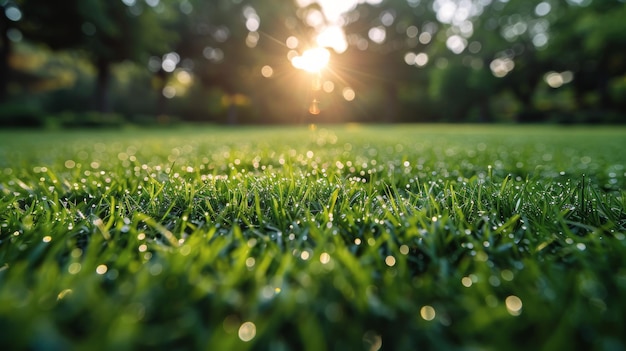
(64, 293)
(428, 313)
(324, 258)
(304, 255)
(404, 249)
(252, 242)
(247, 331)
(101, 269)
(372, 340)
(507, 275)
(156, 269)
(513, 305)
(390, 261)
(74, 268)
(185, 250)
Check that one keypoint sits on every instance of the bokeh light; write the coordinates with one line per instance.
(101, 269)
(267, 71)
(348, 94)
(513, 305)
(372, 340)
(428, 312)
(247, 331)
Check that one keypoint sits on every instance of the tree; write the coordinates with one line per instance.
(107, 31)
(588, 40)
(483, 48)
(215, 36)
(9, 14)
(506, 39)
(229, 42)
(385, 52)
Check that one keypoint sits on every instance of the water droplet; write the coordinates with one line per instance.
(304, 255)
(404, 249)
(513, 305)
(247, 331)
(74, 268)
(428, 312)
(64, 293)
(373, 340)
(324, 258)
(101, 269)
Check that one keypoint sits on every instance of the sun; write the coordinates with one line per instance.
(312, 60)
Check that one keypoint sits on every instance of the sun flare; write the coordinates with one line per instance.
(312, 60)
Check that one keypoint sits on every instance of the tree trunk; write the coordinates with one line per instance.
(102, 99)
(484, 110)
(5, 53)
(232, 112)
(603, 90)
(161, 106)
(391, 102)
(528, 114)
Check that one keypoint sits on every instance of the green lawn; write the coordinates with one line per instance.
(292, 238)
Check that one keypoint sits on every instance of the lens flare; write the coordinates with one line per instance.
(314, 107)
(312, 60)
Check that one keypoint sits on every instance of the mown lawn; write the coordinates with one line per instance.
(335, 238)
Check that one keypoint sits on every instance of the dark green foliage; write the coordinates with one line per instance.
(438, 61)
(109, 32)
(20, 114)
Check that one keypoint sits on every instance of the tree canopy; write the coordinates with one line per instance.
(390, 60)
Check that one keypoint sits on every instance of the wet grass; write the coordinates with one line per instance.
(339, 238)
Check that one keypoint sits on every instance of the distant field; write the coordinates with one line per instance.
(329, 238)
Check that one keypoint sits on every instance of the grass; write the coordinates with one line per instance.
(339, 238)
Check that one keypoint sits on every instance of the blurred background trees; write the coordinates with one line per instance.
(107, 61)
